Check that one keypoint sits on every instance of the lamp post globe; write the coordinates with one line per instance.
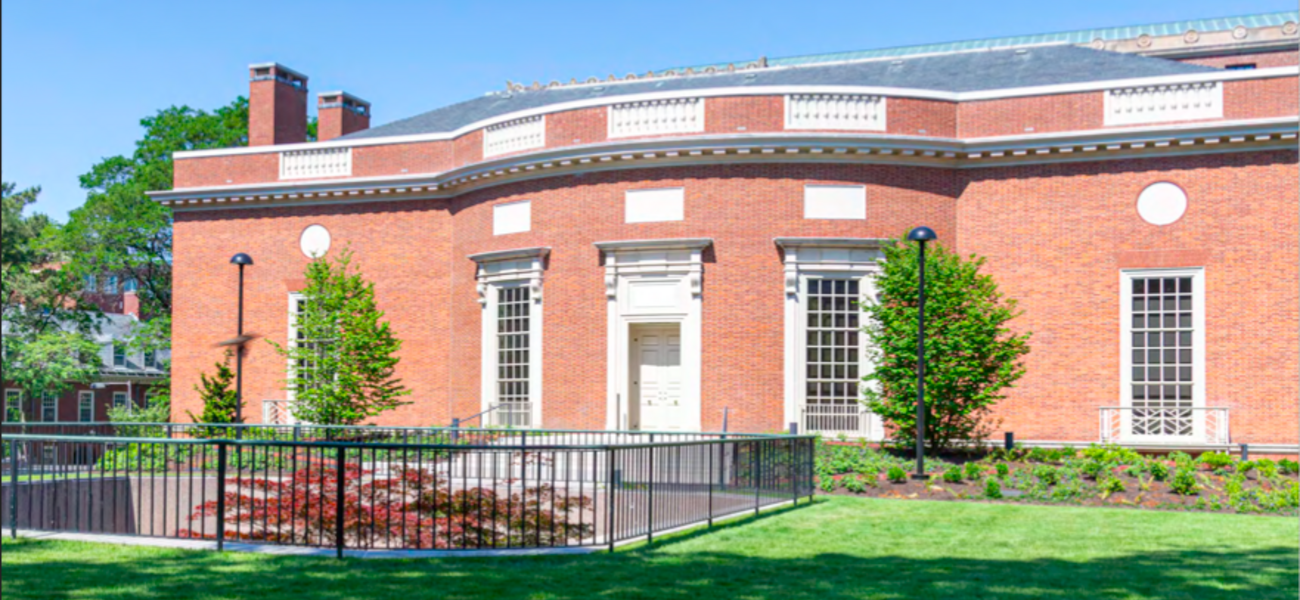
(242, 260)
(920, 235)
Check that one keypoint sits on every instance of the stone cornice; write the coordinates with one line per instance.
(856, 148)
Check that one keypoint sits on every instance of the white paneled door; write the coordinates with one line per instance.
(657, 378)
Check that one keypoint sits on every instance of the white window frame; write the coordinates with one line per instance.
(290, 369)
(49, 402)
(522, 267)
(1126, 277)
(119, 349)
(125, 401)
(14, 402)
(824, 258)
(85, 401)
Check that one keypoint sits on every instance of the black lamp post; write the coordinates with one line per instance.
(242, 260)
(920, 235)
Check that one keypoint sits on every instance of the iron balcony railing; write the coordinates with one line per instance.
(1173, 425)
(388, 496)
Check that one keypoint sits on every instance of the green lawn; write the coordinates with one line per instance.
(838, 548)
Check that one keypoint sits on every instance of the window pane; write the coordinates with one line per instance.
(833, 338)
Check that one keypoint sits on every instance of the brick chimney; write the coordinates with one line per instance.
(340, 113)
(277, 105)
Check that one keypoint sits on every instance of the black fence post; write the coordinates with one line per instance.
(609, 496)
(455, 430)
(1245, 452)
(338, 504)
(1010, 442)
(13, 489)
(650, 505)
(221, 496)
(711, 446)
(755, 447)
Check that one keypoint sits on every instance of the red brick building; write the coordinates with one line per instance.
(653, 251)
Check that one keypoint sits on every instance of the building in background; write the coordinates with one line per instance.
(657, 251)
(127, 379)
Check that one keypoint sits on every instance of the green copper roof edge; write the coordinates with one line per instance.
(1078, 36)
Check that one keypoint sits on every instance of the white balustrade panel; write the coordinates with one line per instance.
(317, 162)
(656, 117)
(514, 136)
(847, 112)
(1163, 103)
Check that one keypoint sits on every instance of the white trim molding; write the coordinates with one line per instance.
(656, 117)
(526, 133)
(515, 275)
(808, 260)
(314, 163)
(647, 282)
(842, 112)
(1164, 103)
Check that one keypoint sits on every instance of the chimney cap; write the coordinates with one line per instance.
(278, 68)
(342, 95)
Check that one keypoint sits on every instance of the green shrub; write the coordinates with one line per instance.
(1046, 474)
(1111, 453)
(973, 471)
(1093, 468)
(1158, 470)
(1184, 482)
(1216, 460)
(1181, 459)
(1003, 470)
(853, 484)
(827, 484)
(953, 475)
(1245, 466)
(992, 489)
(896, 474)
(1111, 485)
(1266, 468)
(1288, 466)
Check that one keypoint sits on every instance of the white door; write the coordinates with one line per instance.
(657, 378)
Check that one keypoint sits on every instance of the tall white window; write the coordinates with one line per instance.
(119, 400)
(119, 355)
(510, 290)
(85, 406)
(301, 368)
(827, 282)
(13, 405)
(1163, 353)
(49, 408)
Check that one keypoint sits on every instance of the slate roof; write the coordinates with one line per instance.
(958, 72)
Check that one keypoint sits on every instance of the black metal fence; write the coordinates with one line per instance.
(490, 493)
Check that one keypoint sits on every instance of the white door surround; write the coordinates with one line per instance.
(653, 282)
(654, 403)
(821, 258)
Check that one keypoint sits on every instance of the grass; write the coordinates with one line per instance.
(839, 548)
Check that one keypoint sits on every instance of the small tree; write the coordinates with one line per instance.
(971, 354)
(345, 355)
(220, 403)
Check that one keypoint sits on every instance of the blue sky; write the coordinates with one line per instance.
(76, 77)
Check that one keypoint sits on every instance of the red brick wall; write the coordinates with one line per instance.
(1261, 60)
(402, 247)
(931, 118)
(1056, 237)
(277, 113)
(1030, 114)
(68, 407)
(235, 169)
(1259, 98)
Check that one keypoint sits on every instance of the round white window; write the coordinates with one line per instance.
(315, 241)
(1162, 203)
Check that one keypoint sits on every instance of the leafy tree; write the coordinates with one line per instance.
(120, 230)
(971, 353)
(220, 402)
(346, 359)
(47, 340)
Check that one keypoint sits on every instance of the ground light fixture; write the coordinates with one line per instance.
(920, 235)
